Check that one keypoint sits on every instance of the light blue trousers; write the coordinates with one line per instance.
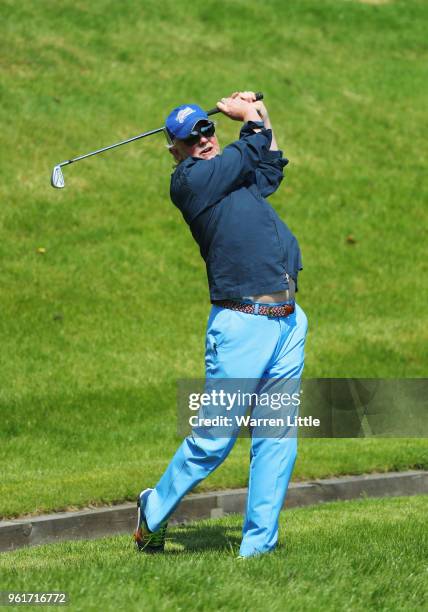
(241, 346)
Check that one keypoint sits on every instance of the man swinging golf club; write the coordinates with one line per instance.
(255, 330)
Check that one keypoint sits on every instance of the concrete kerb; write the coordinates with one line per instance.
(120, 519)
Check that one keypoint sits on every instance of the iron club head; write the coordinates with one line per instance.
(57, 178)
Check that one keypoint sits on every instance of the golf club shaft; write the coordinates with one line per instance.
(213, 111)
(113, 146)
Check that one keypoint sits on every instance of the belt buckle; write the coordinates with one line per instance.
(270, 312)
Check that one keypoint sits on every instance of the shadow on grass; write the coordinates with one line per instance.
(193, 538)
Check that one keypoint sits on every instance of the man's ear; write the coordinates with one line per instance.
(175, 153)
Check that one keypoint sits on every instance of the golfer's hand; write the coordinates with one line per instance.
(250, 96)
(238, 109)
(258, 105)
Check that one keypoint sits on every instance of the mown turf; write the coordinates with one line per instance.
(96, 329)
(361, 555)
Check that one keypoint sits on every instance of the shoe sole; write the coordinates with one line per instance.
(139, 508)
(146, 548)
(137, 538)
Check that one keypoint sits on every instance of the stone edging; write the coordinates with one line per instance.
(100, 522)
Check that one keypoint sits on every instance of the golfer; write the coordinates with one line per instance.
(255, 330)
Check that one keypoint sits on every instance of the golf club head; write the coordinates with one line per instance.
(57, 178)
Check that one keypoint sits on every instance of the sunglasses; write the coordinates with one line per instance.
(206, 130)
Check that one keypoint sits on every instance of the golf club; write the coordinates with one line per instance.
(57, 177)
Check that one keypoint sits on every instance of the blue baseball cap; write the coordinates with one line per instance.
(181, 121)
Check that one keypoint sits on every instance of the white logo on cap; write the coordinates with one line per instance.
(185, 112)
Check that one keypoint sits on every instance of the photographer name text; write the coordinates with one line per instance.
(249, 421)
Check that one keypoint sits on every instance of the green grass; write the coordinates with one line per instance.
(360, 555)
(83, 469)
(95, 332)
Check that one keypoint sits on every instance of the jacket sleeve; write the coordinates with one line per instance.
(213, 179)
(269, 173)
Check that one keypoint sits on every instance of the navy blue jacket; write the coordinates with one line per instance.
(246, 247)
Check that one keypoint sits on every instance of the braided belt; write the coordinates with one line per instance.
(270, 311)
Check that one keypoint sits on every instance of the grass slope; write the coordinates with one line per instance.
(95, 331)
(361, 555)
